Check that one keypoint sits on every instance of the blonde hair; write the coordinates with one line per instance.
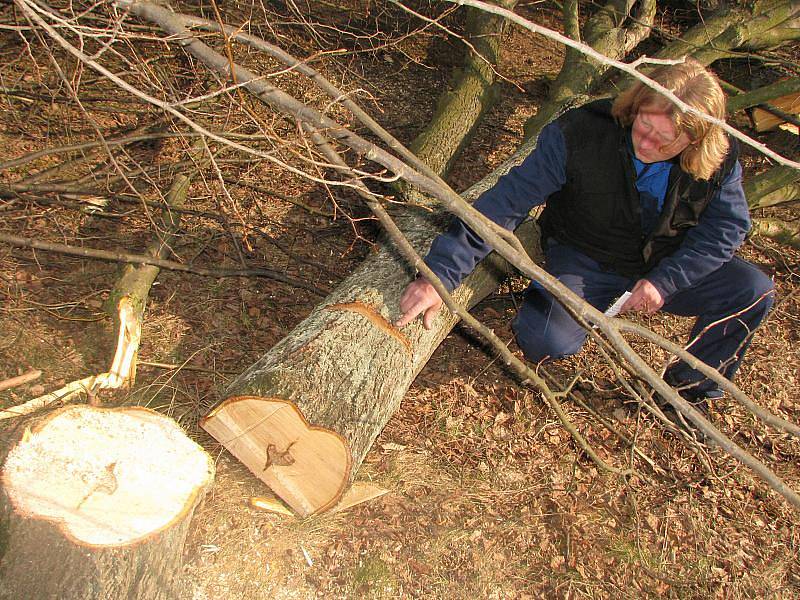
(698, 88)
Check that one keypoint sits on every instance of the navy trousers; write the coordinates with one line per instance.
(544, 329)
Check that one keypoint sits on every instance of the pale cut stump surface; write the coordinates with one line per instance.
(97, 503)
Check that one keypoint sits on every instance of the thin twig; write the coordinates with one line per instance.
(140, 259)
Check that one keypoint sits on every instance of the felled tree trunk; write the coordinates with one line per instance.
(782, 231)
(96, 504)
(345, 368)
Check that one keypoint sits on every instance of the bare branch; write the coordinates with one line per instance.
(269, 92)
(140, 259)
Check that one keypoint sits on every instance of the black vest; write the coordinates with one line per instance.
(598, 210)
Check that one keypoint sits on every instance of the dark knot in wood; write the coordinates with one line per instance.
(278, 458)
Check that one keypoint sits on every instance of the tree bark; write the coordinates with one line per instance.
(775, 186)
(459, 111)
(96, 504)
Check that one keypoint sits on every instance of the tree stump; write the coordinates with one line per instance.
(97, 503)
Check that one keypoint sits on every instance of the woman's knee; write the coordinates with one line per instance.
(758, 289)
(540, 343)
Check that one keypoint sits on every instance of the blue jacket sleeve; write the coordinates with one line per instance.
(454, 254)
(711, 243)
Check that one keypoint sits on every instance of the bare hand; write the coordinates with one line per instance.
(645, 298)
(419, 298)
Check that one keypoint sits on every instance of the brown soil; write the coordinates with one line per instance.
(488, 495)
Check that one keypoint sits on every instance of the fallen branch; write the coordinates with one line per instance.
(65, 394)
(219, 218)
(759, 98)
(294, 65)
(13, 382)
(141, 259)
(130, 139)
(725, 384)
(126, 304)
(775, 186)
(13, 190)
(76, 188)
(127, 300)
(731, 28)
(778, 230)
(122, 371)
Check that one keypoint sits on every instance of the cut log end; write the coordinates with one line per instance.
(106, 477)
(307, 467)
(764, 120)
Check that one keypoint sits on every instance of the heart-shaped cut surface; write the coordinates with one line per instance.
(308, 467)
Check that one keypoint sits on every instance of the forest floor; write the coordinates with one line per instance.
(488, 496)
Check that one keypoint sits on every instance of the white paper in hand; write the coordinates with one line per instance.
(614, 309)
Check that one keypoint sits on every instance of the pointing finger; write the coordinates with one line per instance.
(409, 314)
